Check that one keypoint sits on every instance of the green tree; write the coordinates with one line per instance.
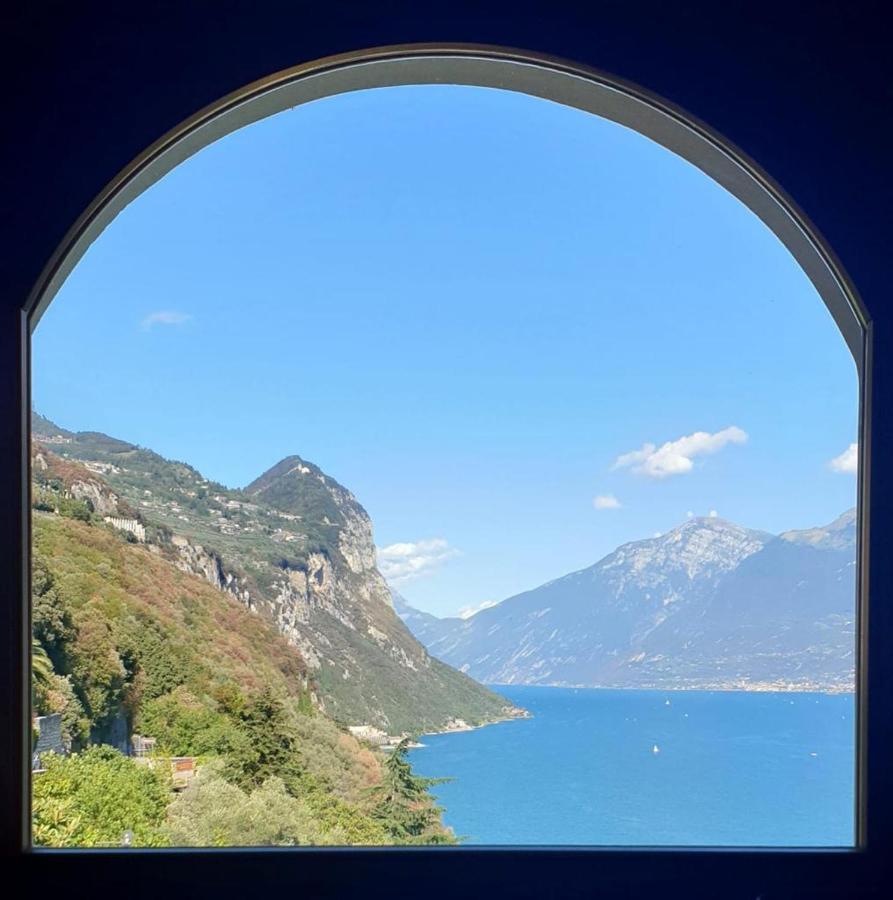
(97, 671)
(157, 661)
(51, 620)
(183, 725)
(41, 667)
(269, 747)
(403, 804)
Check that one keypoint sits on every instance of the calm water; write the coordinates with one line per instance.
(733, 768)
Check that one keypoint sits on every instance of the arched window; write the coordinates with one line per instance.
(567, 328)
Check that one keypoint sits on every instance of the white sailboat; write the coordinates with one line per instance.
(655, 749)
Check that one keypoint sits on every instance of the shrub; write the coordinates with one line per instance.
(345, 824)
(92, 798)
(75, 509)
(213, 812)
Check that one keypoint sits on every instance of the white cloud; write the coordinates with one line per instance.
(689, 515)
(404, 562)
(164, 317)
(675, 457)
(606, 501)
(713, 514)
(468, 611)
(848, 461)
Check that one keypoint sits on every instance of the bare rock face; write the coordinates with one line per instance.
(103, 501)
(700, 549)
(196, 560)
(79, 481)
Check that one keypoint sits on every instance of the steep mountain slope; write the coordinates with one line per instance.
(709, 604)
(296, 547)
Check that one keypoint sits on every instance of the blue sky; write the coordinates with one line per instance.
(467, 306)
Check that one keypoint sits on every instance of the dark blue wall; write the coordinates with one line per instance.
(804, 88)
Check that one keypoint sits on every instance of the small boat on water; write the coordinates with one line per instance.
(655, 749)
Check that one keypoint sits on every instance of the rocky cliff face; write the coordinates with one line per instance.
(709, 604)
(334, 604)
(196, 560)
(78, 481)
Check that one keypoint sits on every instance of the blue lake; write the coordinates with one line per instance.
(733, 768)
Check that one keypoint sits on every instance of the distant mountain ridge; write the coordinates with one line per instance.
(709, 605)
(294, 546)
(426, 627)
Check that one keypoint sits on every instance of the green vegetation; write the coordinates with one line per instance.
(184, 725)
(91, 799)
(46, 499)
(213, 812)
(41, 667)
(312, 495)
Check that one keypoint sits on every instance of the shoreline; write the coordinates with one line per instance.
(755, 688)
(463, 726)
(521, 713)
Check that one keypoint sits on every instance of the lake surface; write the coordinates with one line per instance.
(733, 768)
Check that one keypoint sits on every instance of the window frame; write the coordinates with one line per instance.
(620, 101)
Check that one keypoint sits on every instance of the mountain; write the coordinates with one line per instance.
(709, 604)
(427, 628)
(295, 547)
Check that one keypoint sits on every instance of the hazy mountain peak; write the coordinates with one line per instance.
(699, 546)
(837, 535)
